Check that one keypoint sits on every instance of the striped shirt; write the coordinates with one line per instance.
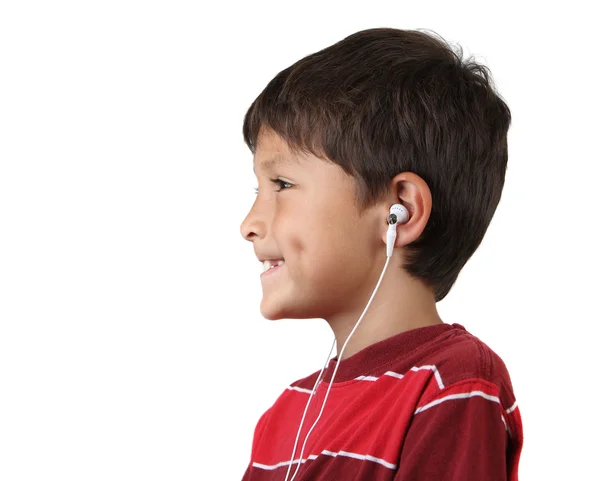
(432, 403)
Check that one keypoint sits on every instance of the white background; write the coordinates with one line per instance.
(131, 342)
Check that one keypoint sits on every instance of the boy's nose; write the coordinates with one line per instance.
(252, 227)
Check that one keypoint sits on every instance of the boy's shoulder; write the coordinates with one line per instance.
(450, 356)
(460, 355)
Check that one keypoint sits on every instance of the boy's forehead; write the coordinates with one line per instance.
(271, 151)
(269, 160)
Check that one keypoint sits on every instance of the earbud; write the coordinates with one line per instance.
(398, 215)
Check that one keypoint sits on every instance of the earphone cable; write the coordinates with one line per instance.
(306, 409)
(337, 364)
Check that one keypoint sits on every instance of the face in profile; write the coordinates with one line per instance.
(305, 223)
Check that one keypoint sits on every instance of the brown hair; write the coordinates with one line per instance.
(384, 101)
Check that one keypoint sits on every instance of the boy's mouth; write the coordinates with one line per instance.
(272, 264)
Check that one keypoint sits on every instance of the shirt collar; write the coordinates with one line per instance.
(366, 361)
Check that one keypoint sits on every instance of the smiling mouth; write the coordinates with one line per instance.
(270, 264)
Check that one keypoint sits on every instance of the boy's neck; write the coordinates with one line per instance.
(401, 303)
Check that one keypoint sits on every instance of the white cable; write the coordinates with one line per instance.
(337, 364)
(306, 409)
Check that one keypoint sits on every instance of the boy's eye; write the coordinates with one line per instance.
(282, 184)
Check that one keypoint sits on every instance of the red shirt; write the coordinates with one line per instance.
(433, 403)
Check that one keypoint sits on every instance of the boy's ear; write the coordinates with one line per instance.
(412, 192)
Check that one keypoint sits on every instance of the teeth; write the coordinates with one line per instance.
(269, 264)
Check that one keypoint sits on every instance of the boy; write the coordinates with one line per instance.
(383, 118)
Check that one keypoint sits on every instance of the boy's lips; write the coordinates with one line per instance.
(269, 257)
(270, 266)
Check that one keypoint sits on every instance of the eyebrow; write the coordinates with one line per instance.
(268, 164)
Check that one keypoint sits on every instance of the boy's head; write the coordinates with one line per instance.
(384, 116)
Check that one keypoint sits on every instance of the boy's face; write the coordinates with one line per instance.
(305, 215)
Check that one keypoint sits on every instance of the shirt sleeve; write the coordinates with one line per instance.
(458, 434)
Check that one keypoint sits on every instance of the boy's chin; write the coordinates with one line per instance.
(273, 309)
(271, 313)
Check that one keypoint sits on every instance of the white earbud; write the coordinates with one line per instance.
(398, 215)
